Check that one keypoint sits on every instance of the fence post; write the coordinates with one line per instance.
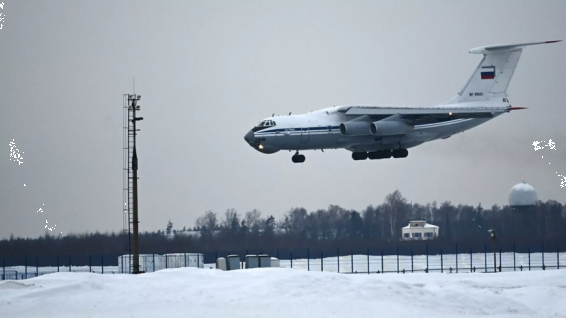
(427, 258)
(485, 256)
(368, 260)
(69, 264)
(4, 268)
(308, 260)
(471, 260)
(321, 263)
(352, 260)
(102, 263)
(338, 258)
(36, 267)
(397, 259)
(500, 264)
(26, 266)
(185, 255)
(513, 256)
(153, 259)
(529, 258)
(291, 259)
(557, 259)
(382, 269)
(441, 262)
(543, 267)
(456, 258)
(198, 260)
(90, 263)
(412, 261)
(166, 261)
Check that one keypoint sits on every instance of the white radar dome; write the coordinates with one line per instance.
(522, 194)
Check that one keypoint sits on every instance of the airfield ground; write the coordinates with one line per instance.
(280, 292)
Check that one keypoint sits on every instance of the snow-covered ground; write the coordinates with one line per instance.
(280, 292)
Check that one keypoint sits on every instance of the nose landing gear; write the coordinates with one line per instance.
(298, 158)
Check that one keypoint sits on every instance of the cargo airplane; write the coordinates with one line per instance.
(380, 132)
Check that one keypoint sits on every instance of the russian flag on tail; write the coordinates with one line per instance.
(488, 72)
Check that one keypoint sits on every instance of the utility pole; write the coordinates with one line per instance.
(494, 239)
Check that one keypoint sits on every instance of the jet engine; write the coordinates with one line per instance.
(353, 128)
(389, 127)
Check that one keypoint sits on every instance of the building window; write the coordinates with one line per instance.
(406, 235)
(429, 234)
(416, 234)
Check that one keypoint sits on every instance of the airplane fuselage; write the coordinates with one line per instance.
(321, 130)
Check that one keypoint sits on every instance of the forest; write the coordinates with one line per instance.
(377, 227)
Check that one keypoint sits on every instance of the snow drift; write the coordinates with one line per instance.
(274, 292)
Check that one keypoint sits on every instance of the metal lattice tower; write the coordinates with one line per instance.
(130, 219)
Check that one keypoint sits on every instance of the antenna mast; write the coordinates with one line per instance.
(131, 220)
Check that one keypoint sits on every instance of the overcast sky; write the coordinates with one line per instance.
(208, 71)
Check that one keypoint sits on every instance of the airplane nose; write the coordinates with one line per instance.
(249, 137)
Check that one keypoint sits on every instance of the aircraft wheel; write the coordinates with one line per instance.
(359, 155)
(298, 158)
(400, 153)
(385, 154)
(374, 155)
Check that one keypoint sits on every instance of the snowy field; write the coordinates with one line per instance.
(280, 292)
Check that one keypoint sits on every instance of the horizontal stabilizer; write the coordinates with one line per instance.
(505, 47)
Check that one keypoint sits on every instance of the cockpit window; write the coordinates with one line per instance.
(266, 123)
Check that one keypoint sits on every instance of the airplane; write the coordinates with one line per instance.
(381, 132)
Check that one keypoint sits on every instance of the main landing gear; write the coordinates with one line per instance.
(298, 158)
(381, 154)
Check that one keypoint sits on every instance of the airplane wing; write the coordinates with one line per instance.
(413, 113)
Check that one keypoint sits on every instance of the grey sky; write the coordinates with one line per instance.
(210, 70)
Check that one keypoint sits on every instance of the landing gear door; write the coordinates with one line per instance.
(304, 135)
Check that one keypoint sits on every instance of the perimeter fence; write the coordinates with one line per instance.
(454, 259)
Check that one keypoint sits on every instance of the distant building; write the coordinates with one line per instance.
(419, 230)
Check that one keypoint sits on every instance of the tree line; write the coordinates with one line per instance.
(376, 227)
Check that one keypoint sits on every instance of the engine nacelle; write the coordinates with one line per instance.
(355, 128)
(390, 127)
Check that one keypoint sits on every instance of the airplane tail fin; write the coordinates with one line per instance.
(492, 76)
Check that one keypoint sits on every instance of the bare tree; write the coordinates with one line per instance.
(396, 208)
(253, 219)
(207, 221)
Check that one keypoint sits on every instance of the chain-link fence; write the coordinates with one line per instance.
(361, 261)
